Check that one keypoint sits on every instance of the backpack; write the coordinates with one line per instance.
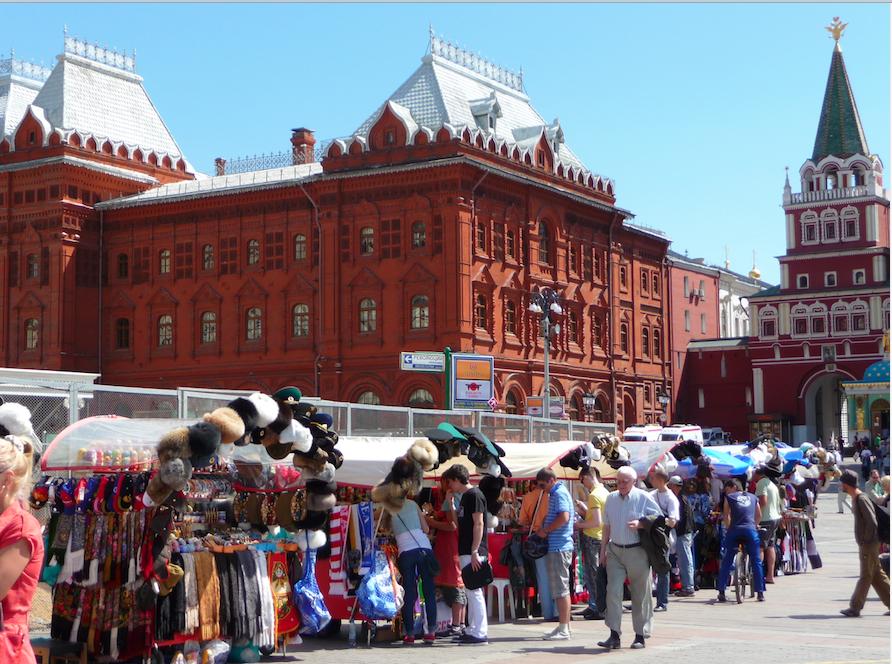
(882, 515)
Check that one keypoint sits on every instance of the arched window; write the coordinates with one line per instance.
(208, 327)
(369, 398)
(510, 251)
(644, 281)
(576, 412)
(32, 336)
(165, 330)
(656, 288)
(207, 257)
(300, 321)
(33, 270)
(511, 402)
(573, 327)
(419, 235)
(768, 321)
(368, 316)
(624, 338)
(600, 410)
(300, 247)
(481, 236)
(598, 332)
(367, 241)
(645, 342)
(253, 324)
(420, 313)
(421, 398)
(544, 244)
(658, 351)
(122, 333)
(622, 276)
(480, 312)
(123, 266)
(253, 252)
(164, 262)
(510, 313)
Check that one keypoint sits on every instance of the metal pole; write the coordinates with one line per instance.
(546, 391)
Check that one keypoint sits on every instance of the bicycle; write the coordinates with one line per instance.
(742, 575)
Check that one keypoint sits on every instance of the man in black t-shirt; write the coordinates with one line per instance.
(472, 548)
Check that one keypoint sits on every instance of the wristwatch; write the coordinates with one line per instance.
(475, 553)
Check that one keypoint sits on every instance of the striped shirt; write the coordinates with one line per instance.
(619, 510)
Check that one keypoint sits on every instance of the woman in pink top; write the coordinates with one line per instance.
(21, 550)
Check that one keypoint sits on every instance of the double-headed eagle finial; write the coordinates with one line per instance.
(836, 28)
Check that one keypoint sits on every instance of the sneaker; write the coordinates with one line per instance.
(429, 638)
(760, 597)
(588, 614)
(684, 593)
(408, 640)
(661, 607)
(450, 632)
(721, 597)
(638, 643)
(557, 634)
(468, 640)
(849, 613)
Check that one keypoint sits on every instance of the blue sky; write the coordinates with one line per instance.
(694, 110)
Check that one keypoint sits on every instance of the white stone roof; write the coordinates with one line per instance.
(219, 185)
(16, 93)
(106, 103)
(442, 92)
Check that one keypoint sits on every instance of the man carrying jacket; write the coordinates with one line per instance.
(623, 555)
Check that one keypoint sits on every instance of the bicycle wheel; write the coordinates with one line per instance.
(749, 577)
(739, 579)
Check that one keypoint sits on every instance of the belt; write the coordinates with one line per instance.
(626, 546)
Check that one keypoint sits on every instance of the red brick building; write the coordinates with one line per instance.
(428, 228)
(824, 324)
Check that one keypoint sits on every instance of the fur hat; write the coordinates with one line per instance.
(283, 419)
(174, 445)
(321, 487)
(15, 419)
(316, 460)
(405, 475)
(310, 539)
(298, 435)
(248, 412)
(327, 474)
(176, 473)
(321, 502)
(230, 423)
(204, 439)
(491, 488)
(314, 519)
(425, 452)
(390, 496)
(267, 409)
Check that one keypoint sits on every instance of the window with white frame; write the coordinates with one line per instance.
(801, 281)
(858, 317)
(799, 320)
(817, 315)
(808, 224)
(768, 322)
(420, 313)
(830, 279)
(850, 226)
(829, 227)
(858, 277)
(886, 316)
(687, 320)
(368, 316)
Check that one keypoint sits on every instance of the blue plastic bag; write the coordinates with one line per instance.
(376, 597)
(314, 615)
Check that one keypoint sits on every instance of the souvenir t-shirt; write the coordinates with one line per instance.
(471, 502)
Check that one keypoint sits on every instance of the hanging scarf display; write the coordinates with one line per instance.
(287, 619)
(209, 597)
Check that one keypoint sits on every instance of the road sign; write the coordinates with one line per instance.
(663, 418)
(428, 362)
(493, 402)
(472, 381)
(535, 406)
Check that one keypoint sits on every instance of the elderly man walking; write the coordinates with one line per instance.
(872, 573)
(623, 555)
(558, 528)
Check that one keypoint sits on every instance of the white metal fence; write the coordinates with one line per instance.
(55, 404)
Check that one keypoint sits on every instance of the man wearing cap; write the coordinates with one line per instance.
(872, 573)
(684, 534)
(623, 555)
(769, 501)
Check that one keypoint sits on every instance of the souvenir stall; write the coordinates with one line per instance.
(164, 532)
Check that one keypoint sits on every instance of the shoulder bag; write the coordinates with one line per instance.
(430, 560)
(535, 547)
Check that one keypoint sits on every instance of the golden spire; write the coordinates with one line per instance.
(836, 28)
(755, 273)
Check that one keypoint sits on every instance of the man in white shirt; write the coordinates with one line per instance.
(668, 503)
(623, 555)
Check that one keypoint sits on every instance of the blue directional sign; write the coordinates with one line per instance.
(423, 361)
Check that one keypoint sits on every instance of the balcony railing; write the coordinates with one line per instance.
(267, 161)
(830, 194)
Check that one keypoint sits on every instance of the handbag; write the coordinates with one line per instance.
(478, 578)
(430, 560)
(314, 615)
(377, 598)
(535, 547)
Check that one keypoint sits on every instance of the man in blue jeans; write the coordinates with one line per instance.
(684, 534)
(741, 514)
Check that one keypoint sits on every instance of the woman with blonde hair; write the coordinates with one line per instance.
(21, 550)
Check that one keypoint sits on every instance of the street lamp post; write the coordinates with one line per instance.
(589, 401)
(663, 398)
(546, 303)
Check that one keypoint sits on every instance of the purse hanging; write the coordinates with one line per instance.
(430, 560)
(535, 547)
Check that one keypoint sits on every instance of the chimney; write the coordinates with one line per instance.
(219, 166)
(303, 143)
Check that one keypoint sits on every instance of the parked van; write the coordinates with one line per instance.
(713, 436)
(646, 432)
(681, 433)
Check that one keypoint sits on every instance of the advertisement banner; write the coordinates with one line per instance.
(472, 381)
